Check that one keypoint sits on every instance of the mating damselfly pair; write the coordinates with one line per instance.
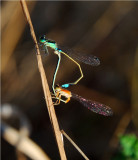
(59, 91)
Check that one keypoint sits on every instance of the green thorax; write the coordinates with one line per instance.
(51, 44)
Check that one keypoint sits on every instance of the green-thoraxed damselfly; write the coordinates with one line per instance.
(71, 54)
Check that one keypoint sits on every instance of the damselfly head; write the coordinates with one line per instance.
(42, 39)
(57, 88)
(57, 85)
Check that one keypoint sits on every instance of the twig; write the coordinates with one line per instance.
(47, 94)
(23, 143)
(75, 145)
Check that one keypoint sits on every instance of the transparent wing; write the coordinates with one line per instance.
(94, 106)
(85, 58)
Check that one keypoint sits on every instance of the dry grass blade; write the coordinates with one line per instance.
(45, 86)
(75, 145)
(23, 143)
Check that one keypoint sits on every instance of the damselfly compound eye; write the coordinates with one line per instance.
(42, 39)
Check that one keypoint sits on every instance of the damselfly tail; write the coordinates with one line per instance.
(94, 106)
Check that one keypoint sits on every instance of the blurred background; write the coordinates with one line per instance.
(108, 30)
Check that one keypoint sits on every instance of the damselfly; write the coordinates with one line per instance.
(72, 55)
(91, 105)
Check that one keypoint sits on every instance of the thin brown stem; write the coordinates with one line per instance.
(75, 145)
(47, 94)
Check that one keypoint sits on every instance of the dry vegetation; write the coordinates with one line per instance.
(108, 30)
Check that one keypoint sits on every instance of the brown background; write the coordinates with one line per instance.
(108, 30)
